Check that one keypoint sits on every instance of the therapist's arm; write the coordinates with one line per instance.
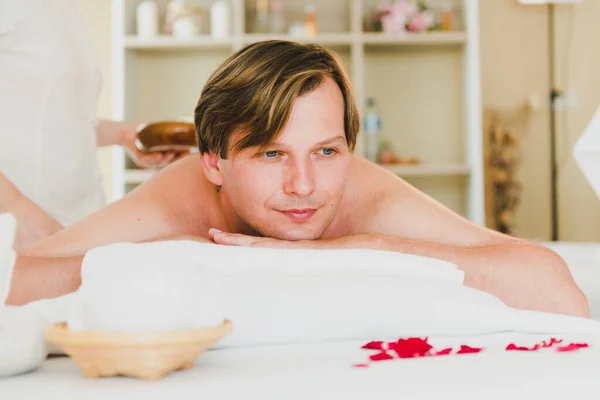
(123, 133)
(33, 223)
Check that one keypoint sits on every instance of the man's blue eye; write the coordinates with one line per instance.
(271, 154)
(328, 152)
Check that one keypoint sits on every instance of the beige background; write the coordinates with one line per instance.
(514, 49)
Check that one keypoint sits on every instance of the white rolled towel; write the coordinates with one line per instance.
(22, 345)
(8, 229)
(276, 296)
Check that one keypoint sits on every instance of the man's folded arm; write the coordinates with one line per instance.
(37, 278)
(521, 274)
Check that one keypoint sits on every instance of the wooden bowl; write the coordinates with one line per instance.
(166, 136)
(145, 355)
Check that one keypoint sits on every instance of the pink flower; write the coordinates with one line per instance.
(406, 8)
(393, 23)
(422, 21)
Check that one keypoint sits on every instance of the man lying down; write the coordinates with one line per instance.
(276, 125)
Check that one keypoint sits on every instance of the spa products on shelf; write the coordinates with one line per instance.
(446, 16)
(261, 22)
(185, 27)
(147, 19)
(277, 18)
(372, 129)
(220, 19)
(310, 20)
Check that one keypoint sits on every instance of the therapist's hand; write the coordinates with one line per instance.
(143, 160)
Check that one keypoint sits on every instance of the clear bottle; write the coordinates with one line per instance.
(372, 129)
(447, 16)
(261, 24)
(310, 20)
(277, 21)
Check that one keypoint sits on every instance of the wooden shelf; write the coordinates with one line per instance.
(329, 39)
(165, 42)
(414, 39)
(428, 169)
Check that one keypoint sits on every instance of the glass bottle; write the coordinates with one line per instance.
(372, 129)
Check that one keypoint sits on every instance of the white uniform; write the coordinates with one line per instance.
(49, 88)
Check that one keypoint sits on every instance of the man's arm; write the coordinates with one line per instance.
(37, 278)
(522, 275)
(33, 223)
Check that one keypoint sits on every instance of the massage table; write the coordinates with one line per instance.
(325, 370)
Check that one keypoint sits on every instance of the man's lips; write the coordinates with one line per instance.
(299, 215)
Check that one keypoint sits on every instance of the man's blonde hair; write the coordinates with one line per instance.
(254, 90)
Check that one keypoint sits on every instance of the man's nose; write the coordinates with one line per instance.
(300, 178)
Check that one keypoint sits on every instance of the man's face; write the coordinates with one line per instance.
(292, 189)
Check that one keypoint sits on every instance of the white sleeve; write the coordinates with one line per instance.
(587, 153)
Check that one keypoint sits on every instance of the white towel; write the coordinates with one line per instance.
(276, 296)
(22, 345)
(587, 153)
(8, 228)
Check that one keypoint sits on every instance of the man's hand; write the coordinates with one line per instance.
(238, 239)
(158, 160)
(366, 241)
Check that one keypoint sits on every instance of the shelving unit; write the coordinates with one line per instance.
(439, 122)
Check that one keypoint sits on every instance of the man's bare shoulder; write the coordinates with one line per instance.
(378, 202)
(174, 202)
(185, 194)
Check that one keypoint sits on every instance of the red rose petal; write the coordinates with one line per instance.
(361, 365)
(572, 347)
(513, 346)
(375, 345)
(467, 349)
(442, 352)
(411, 347)
(551, 343)
(382, 356)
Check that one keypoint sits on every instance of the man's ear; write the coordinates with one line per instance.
(210, 161)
